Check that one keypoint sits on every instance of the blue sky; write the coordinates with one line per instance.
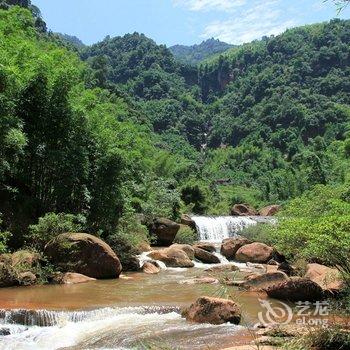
(183, 21)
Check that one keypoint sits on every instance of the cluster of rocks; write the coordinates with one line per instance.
(276, 277)
(247, 210)
(183, 255)
(266, 271)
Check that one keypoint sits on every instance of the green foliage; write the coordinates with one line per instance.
(127, 238)
(160, 199)
(51, 225)
(186, 236)
(138, 65)
(315, 226)
(4, 238)
(259, 233)
(195, 194)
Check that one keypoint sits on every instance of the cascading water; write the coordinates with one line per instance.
(108, 328)
(215, 229)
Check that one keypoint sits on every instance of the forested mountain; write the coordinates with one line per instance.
(144, 69)
(197, 53)
(126, 129)
(282, 103)
(71, 39)
(267, 112)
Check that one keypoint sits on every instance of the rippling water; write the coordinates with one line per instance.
(113, 328)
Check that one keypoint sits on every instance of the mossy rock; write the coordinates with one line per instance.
(85, 254)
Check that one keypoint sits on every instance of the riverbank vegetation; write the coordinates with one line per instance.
(106, 138)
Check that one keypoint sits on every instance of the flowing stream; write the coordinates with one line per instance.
(137, 311)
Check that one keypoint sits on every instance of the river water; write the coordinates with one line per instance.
(128, 313)
(137, 311)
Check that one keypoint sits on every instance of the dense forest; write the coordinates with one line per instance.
(122, 130)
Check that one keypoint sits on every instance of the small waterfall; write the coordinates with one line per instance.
(47, 318)
(215, 229)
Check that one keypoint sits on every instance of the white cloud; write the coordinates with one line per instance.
(263, 18)
(210, 5)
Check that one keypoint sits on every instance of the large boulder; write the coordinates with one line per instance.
(165, 231)
(187, 220)
(296, 289)
(172, 257)
(70, 278)
(270, 210)
(230, 246)
(329, 279)
(205, 257)
(255, 252)
(258, 283)
(243, 210)
(209, 247)
(185, 248)
(85, 254)
(214, 311)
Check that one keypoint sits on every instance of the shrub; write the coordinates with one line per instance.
(186, 236)
(162, 200)
(4, 238)
(259, 233)
(51, 225)
(129, 235)
(195, 194)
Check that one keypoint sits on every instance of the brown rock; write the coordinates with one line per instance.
(187, 220)
(243, 210)
(205, 246)
(173, 257)
(85, 254)
(151, 268)
(259, 283)
(270, 210)
(186, 248)
(230, 246)
(296, 289)
(26, 278)
(329, 279)
(165, 230)
(214, 311)
(70, 278)
(255, 253)
(205, 257)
